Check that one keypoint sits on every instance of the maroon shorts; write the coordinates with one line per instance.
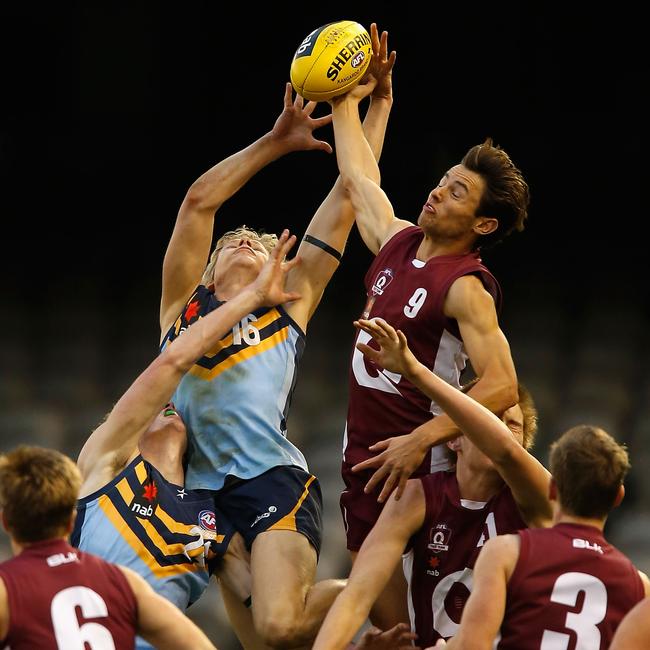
(360, 510)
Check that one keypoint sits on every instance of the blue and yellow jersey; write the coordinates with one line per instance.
(158, 529)
(235, 399)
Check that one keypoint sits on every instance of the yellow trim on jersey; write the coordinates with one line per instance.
(141, 472)
(134, 542)
(288, 522)
(242, 355)
(261, 323)
(178, 527)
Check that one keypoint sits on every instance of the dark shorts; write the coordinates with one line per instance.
(360, 510)
(283, 498)
(220, 533)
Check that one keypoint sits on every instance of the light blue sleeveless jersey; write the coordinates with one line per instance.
(234, 401)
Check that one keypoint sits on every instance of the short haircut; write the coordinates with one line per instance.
(268, 240)
(589, 467)
(39, 489)
(506, 195)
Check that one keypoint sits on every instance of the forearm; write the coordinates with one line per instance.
(353, 153)
(205, 332)
(227, 177)
(470, 413)
(346, 616)
(375, 123)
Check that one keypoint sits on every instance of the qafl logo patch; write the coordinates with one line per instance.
(383, 279)
(207, 520)
(439, 538)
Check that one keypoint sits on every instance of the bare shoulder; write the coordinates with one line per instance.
(466, 295)
(396, 226)
(501, 550)
(4, 610)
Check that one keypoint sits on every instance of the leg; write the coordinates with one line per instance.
(391, 607)
(241, 619)
(288, 608)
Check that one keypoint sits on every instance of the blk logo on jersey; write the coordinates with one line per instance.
(207, 520)
(439, 538)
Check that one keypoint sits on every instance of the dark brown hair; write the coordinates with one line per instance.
(589, 467)
(506, 196)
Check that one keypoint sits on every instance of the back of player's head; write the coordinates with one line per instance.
(268, 240)
(506, 196)
(589, 467)
(38, 493)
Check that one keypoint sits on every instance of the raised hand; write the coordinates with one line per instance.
(381, 65)
(295, 126)
(269, 284)
(394, 353)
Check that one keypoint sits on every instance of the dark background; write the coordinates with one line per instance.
(111, 110)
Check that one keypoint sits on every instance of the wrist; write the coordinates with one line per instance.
(276, 145)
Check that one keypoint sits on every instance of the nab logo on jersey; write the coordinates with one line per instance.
(144, 504)
(207, 520)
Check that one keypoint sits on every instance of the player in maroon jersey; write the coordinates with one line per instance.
(444, 519)
(427, 280)
(55, 597)
(566, 586)
(634, 631)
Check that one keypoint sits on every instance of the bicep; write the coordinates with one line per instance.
(185, 259)
(473, 308)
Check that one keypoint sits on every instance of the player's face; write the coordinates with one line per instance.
(513, 418)
(245, 252)
(450, 210)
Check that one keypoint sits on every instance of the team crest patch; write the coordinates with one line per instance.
(439, 538)
(383, 279)
(208, 520)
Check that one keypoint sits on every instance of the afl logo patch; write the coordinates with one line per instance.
(358, 59)
(383, 279)
(207, 520)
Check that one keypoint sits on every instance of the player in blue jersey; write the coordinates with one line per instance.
(134, 509)
(235, 400)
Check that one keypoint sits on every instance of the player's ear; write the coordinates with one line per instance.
(485, 225)
(620, 495)
(552, 490)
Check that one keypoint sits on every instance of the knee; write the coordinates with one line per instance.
(279, 633)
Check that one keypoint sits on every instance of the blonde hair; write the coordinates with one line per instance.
(268, 240)
(39, 489)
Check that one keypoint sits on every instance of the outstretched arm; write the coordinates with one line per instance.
(483, 612)
(189, 246)
(633, 633)
(525, 475)
(377, 559)
(332, 222)
(358, 167)
(162, 623)
(114, 440)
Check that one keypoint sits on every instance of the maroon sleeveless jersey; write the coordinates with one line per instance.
(440, 561)
(409, 295)
(570, 589)
(60, 597)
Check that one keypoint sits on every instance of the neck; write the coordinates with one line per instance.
(479, 485)
(228, 289)
(436, 247)
(18, 547)
(564, 518)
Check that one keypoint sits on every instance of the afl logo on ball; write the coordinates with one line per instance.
(358, 59)
(207, 520)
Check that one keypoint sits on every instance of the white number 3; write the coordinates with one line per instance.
(415, 303)
(583, 623)
(69, 634)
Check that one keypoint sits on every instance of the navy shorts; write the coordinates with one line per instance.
(360, 510)
(283, 498)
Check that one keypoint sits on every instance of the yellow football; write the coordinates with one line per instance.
(331, 60)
